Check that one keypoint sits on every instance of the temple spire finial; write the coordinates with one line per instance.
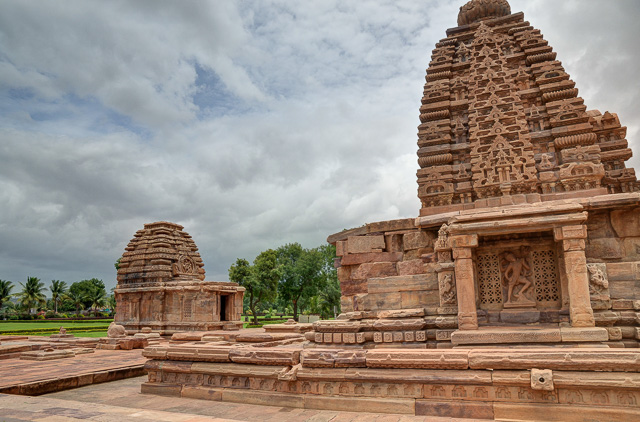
(477, 10)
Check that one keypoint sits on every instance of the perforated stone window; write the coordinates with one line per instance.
(187, 307)
(545, 276)
(489, 281)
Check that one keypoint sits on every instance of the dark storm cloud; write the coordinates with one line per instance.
(251, 123)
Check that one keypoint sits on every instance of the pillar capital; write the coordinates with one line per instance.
(464, 241)
(570, 232)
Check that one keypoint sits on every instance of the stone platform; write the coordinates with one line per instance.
(96, 403)
(480, 383)
(28, 377)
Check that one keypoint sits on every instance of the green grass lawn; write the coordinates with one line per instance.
(77, 334)
(5, 325)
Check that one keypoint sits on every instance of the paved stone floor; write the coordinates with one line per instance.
(34, 377)
(121, 401)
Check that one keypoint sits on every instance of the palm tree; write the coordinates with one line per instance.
(76, 298)
(5, 291)
(98, 298)
(32, 293)
(58, 289)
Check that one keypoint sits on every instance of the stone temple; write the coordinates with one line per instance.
(161, 286)
(514, 294)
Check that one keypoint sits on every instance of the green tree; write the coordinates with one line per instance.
(327, 301)
(117, 264)
(260, 279)
(77, 298)
(301, 274)
(98, 298)
(86, 288)
(32, 294)
(58, 289)
(5, 292)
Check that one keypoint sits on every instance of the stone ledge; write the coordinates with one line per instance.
(508, 336)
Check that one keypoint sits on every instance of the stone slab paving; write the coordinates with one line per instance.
(38, 377)
(121, 401)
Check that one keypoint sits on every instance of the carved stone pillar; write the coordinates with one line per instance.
(446, 275)
(575, 266)
(465, 280)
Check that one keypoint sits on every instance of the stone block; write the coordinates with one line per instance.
(374, 270)
(380, 301)
(542, 379)
(631, 247)
(341, 248)
(545, 412)
(409, 336)
(621, 304)
(265, 356)
(510, 336)
(605, 248)
(336, 326)
(349, 338)
(564, 359)
(418, 359)
(615, 333)
(514, 316)
(411, 267)
(262, 398)
(399, 324)
(457, 409)
(417, 240)
(318, 358)
(350, 359)
(371, 257)
(337, 338)
(587, 334)
(364, 244)
(405, 283)
(360, 404)
(387, 337)
(201, 393)
(327, 338)
(393, 242)
(626, 222)
(621, 271)
(402, 313)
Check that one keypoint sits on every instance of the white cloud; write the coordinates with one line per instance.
(308, 126)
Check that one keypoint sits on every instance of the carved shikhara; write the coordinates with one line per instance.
(501, 118)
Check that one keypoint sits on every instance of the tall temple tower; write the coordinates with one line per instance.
(528, 212)
(502, 122)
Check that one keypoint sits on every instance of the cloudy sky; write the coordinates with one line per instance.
(253, 123)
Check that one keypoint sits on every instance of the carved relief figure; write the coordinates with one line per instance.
(448, 290)
(598, 283)
(516, 271)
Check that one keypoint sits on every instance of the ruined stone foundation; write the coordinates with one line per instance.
(514, 294)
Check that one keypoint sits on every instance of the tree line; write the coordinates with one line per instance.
(291, 279)
(86, 294)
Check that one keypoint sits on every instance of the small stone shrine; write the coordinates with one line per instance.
(514, 295)
(161, 285)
